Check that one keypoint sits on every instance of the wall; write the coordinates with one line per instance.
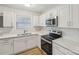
(5, 31)
(70, 33)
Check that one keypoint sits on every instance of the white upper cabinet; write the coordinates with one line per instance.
(42, 20)
(68, 16)
(47, 15)
(8, 19)
(64, 16)
(35, 20)
(75, 15)
(53, 12)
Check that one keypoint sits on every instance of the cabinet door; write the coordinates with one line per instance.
(56, 50)
(63, 51)
(64, 16)
(47, 15)
(19, 45)
(7, 19)
(53, 13)
(42, 20)
(35, 21)
(38, 41)
(6, 47)
(31, 42)
(75, 15)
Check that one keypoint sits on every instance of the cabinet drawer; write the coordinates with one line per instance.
(63, 50)
(4, 41)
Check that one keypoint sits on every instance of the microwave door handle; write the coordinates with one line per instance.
(51, 22)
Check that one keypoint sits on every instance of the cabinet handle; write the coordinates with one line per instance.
(6, 43)
(69, 23)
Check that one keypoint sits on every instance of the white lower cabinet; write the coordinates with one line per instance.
(56, 50)
(25, 43)
(15, 45)
(6, 47)
(32, 41)
(19, 45)
(59, 50)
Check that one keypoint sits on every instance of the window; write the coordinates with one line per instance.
(23, 22)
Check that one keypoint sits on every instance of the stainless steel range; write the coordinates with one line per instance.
(46, 41)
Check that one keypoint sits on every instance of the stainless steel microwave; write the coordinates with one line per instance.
(52, 21)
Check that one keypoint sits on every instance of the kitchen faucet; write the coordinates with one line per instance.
(24, 31)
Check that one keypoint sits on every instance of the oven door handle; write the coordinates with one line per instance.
(46, 41)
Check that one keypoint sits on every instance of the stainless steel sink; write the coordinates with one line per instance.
(25, 34)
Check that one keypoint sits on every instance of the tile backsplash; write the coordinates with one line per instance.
(70, 33)
(67, 33)
(5, 31)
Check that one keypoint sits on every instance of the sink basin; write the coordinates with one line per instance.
(25, 34)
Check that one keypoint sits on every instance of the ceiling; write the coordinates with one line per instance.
(38, 8)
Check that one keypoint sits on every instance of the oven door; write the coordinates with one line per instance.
(46, 47)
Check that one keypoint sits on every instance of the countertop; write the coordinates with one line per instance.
(69, 44)
(14, 36)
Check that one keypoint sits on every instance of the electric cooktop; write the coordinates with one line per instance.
(51, 37)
